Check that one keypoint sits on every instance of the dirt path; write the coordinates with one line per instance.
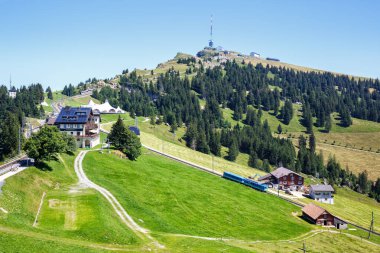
(124, 216)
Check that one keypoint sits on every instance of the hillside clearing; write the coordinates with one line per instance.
(179, 199)
(356, 160)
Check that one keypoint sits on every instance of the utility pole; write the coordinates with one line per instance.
(19, 140)
(370, 227)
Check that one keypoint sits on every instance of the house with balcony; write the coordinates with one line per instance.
(82, 123)
(322, 193)
(283, 178)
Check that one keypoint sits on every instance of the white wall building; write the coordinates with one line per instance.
(82, 123)
(12, 92)
(322, 193)
(254, 54)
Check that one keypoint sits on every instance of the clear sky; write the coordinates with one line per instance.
(61, 42)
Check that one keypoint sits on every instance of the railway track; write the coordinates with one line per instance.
(296, 203)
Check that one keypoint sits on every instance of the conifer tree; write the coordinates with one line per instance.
(233, 150)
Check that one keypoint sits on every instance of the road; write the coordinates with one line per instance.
(12, 173)
(121, 212)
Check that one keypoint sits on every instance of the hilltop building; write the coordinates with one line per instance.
(82, 123)
(283, 178)
(254, 54)
(12, 92)
(104, 108)
(322, 193)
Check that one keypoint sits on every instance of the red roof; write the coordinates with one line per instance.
(313, 211)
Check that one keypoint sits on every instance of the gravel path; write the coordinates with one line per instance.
(124, 216)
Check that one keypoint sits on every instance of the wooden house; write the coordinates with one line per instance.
(317, 215)
(283, 178)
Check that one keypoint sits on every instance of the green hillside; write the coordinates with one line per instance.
(186, 208)
(168, 197)
(71, 216)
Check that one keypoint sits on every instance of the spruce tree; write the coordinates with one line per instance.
(279, 129)
(253, 160)
(116, 133)
(233, 150)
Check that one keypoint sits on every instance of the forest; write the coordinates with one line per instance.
(13, 112)
(249, 90)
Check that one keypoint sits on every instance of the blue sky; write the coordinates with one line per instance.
(61, 42)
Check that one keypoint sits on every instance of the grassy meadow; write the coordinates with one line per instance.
(175, 201)
(69, 212)
(169, 197)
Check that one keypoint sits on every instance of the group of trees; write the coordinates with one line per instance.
(125, 140)
(188, 61)
(69, 90)
(13, 112)
(48, 142)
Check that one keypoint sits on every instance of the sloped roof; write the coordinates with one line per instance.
(313, 211)
(73, 115)
(322, 188)
(50, 121)
(279, 172)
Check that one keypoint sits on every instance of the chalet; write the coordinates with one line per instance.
(283, 178)
(82, 123)
(317, 215)
(322, 193)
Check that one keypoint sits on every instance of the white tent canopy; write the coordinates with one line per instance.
(103, 108)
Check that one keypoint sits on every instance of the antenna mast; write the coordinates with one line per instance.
(211, 43)
(10, 81)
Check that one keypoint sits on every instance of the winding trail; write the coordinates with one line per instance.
(141, 232)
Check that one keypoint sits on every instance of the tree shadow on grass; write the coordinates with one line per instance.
(43, 166)
(70, 153)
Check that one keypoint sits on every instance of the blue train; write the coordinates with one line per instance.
(245, 181)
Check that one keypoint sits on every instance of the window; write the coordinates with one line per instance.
(78, 133)
(72, 133)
